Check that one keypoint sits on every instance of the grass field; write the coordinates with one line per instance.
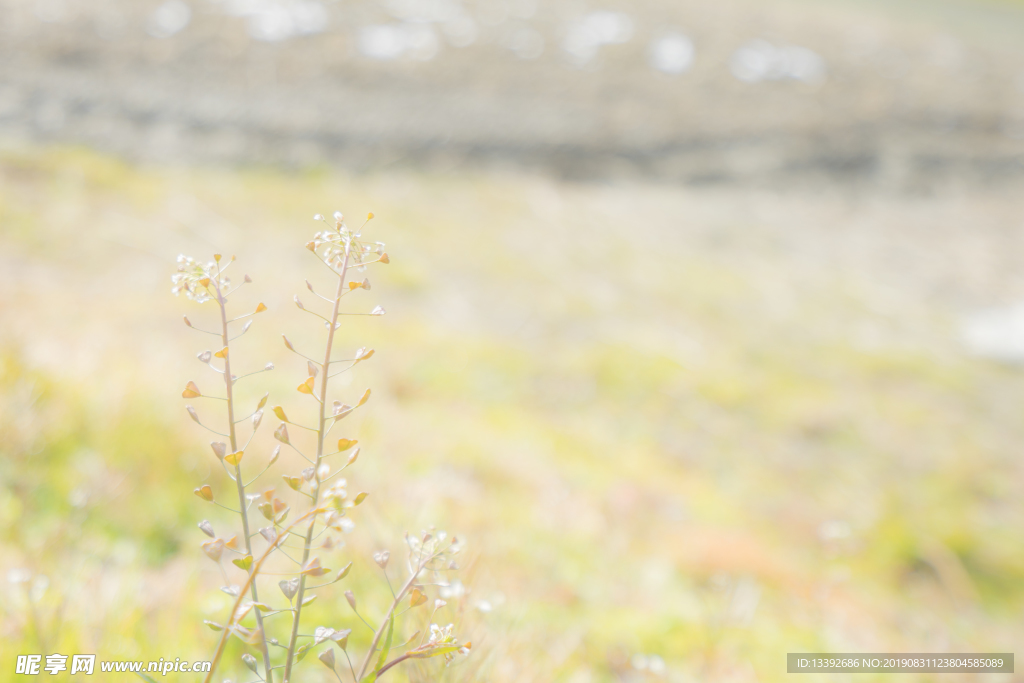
(683, 433)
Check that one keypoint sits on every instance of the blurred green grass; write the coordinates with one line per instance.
(658, 431)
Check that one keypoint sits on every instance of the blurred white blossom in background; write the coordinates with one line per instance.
(592, 31)
(672, 54)
(759, 60)
(169, 18)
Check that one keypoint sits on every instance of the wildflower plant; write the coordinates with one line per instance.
(325, 496)
(203, 283)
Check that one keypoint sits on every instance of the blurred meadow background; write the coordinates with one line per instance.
(704, 332)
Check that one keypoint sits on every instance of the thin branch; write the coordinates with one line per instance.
(243, 419)
(301, 453)
(237, 287)
(372, 630)
(350, 667)
(394, 605)
(253, 480)
(332, 327)
(354, 363)
(296, 351)
(243, 502)
(311, 312)
(241, 595)
(296, 424)
(281, 550)
(267, 615)
(334, 475)
(250, 374)
(393, 662)
(210, 429)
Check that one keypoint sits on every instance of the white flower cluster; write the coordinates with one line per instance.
(442, 637)
(433, 554)
(337, 490)
(336, 520)
(195, 278)
(331, 244)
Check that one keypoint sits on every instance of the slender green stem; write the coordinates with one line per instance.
(230, 626)
(321, 434)
(243, 508)
(393, 662)
(398, 599)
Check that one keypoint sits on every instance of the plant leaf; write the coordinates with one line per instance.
(223, 353)
(416, 599)
(234, 458)
(440, 650)
(244, 562)
(279, 411)
(191, 390)
(386, 648)
(411, 638)
(345, 444)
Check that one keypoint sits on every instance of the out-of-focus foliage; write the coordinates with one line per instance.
(681, 434)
